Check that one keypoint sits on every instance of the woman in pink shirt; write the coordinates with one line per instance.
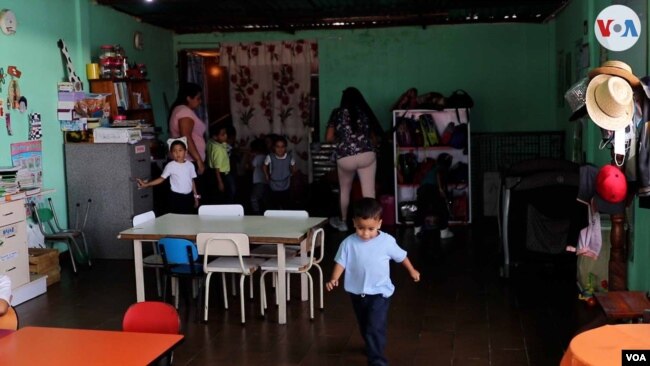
(184, 122)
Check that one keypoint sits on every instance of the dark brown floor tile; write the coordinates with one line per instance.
(472, 345)
(506, 339)
(470, 361)
(508, 358)
(439, 322)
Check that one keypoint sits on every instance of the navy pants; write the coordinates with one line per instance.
(372, 316)
(180, 203)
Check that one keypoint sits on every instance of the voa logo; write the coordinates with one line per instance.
(617, 28)
(635, 357)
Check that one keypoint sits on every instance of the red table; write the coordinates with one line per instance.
(71, 347)
(602, 346)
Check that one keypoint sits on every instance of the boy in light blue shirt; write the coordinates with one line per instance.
(365, 257)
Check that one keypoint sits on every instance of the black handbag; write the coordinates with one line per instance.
(460, 99)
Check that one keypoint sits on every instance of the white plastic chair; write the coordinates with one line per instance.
(270, 250)
(221, 210)
(154, 260)
(315, 240)
(231, 249)
(224, 211)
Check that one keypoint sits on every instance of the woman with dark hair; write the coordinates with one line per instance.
(183, 122)
(353, 126)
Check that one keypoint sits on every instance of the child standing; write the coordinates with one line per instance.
(183, 198)
(219, 164)
(279, 166)
(365, 257)
(432, 197)
(260, 187)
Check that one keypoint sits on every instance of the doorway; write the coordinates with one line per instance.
(216, 96)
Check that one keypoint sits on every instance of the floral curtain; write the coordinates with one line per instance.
(270, 91)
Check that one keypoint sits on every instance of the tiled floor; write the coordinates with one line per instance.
(461, 313)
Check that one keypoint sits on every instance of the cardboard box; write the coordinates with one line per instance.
(53, 276)
(117, 135)
(43, 260)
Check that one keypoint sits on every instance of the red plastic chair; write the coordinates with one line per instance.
(151, 317)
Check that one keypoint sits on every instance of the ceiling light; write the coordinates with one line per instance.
(514, 16)
(506, 17)
(149, 1)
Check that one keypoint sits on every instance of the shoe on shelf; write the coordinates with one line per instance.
(446, 234)
(338, 224)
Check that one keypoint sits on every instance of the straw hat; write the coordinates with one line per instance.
(610, 102)
(616, 68)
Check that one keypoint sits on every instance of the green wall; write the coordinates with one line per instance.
(506, 68)
(33, 49)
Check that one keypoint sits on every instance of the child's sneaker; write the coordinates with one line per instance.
(446, 234)
(338, 224)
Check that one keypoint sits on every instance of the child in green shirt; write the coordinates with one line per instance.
(219, 164)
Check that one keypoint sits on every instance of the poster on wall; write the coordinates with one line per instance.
(28, 156)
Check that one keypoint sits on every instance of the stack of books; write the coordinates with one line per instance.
(9, 188)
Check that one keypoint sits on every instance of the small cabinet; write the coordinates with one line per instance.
(129, 97)
(14, 260)
(420, 137)
(106, 174)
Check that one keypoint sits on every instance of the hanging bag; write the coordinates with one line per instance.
(445, 139)
(590, 240)
(428, 126)
(459, 136)
(404, 132)
(460, 99)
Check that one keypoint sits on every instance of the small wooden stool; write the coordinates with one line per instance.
(623, 305)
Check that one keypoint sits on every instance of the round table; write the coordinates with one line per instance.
(603, 345)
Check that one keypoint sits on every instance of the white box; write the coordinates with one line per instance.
(106, 135)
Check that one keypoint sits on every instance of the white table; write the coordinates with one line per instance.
(260, 230)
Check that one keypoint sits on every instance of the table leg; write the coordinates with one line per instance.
(139, 274)
(282, 286)
(304, 282)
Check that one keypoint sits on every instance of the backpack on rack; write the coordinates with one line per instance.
(459, 173)
(408, 100)
(407, 164)
(429, 131)
(459, 136)
(445, 139)
(404, 132)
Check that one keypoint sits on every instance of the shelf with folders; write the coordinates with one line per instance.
(420, 137)
(129, 97)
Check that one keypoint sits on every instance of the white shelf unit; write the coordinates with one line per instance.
(408, 192)
(14, 258)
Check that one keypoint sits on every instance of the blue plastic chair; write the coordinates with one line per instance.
(180, 258)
